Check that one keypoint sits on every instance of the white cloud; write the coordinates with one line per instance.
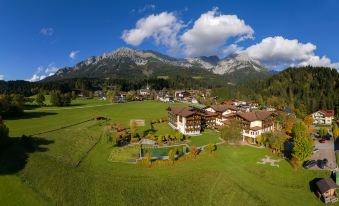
(231, 49)
(146, 7)
(47, 31)
(278, 51)
(73, 54)
(211, 31)
(42, 72)
(162, 28)
(2, 77)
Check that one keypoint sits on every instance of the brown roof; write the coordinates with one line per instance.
(326, 184)
(327, 113)
(222, 107)
(182, 111)
(257, 115)
(256, 128)
(228, 102)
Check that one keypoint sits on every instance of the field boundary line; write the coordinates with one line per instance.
(83, 107)
(63, 127)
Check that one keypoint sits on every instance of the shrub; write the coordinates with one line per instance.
(194, 151)
(210, 148)
(4, 131)
(147, 161)
(171, 155)
(295, 162)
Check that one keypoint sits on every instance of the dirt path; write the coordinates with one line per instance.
(67, 108)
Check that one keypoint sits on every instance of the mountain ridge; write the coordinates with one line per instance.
(113, 64)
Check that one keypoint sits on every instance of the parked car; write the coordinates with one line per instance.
(328, 136)
(322, 163)
(309, 163)
(323, 140)
(315, 150)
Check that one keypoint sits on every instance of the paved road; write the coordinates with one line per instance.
(326, 150)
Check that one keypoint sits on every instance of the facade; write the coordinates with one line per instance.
(323, 117)
(256, 123)
(190, 120)
(223, 112)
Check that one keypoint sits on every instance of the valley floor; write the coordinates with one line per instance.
(68, 165)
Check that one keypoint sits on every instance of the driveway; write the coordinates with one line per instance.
(326, 150)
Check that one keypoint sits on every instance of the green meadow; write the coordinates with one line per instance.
(70, 163)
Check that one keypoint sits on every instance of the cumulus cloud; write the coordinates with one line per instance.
(43, 71)
(47, 31)
(2, 77)
(211, 31)
(162, 28)
(73, 54)
(278, 51)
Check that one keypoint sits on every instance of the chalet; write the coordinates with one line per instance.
(323, 117)
(190, 120)
(327, 190)
(256, 123)
(223, 112)
(144, 92)
(182, 95)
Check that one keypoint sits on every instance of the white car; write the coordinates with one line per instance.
(315, 150)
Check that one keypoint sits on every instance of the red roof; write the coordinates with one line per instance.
(327, 113)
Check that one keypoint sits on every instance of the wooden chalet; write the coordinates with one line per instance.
(256, 123)
(327, 189)
(190, 120)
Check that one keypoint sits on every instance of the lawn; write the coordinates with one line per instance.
(206, 137)
(48, 175)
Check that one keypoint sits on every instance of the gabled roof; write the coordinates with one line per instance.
(327, 113)
(253, 116)
(182, 111)
(326, 184)
(222, 107)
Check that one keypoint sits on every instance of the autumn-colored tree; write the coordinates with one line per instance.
(302, 146)
(133, 128)
(289, 125)
(322, 131)
(194, 151)
(335, 131)
(171, 155)
(231, 132)
(308, 120)
(147, 161)
(3, 132)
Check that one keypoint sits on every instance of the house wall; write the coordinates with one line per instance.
(257, 123)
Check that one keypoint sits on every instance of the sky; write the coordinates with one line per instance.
(37, 37)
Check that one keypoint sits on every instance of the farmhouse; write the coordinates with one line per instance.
(190, 120)
(256, 123)
(323, 117)
(223, 112)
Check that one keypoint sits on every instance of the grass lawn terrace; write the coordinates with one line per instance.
(71, 166)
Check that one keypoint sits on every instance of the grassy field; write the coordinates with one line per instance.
(70, 166)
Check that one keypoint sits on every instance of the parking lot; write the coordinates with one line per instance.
(326, 150)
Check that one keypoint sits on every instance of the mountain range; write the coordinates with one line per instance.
(127, 63)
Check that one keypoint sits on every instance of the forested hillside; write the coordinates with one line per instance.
(304, 90)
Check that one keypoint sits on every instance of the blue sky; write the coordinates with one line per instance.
(38, 37)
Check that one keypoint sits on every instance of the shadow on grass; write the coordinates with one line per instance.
(30, 115)
(14, 155)
(313, 186)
